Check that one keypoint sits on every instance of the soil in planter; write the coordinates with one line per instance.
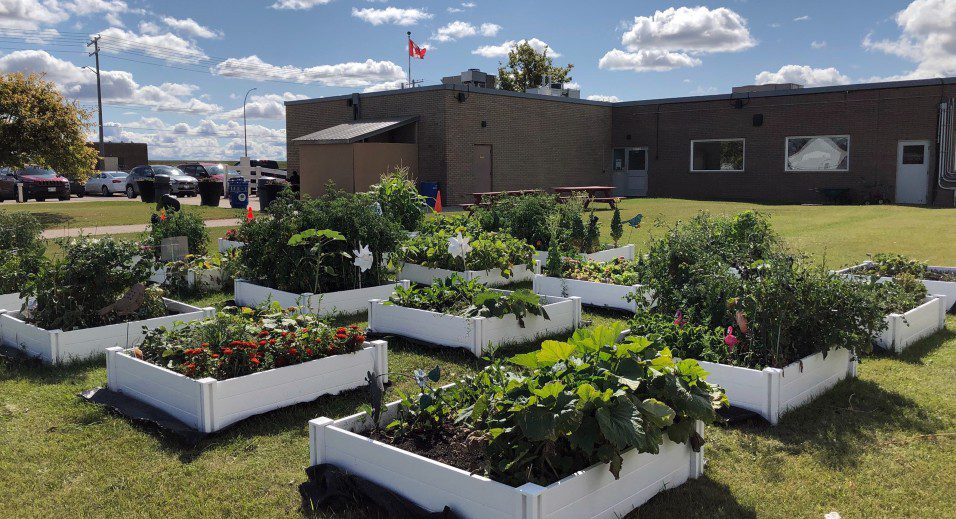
(451, 445)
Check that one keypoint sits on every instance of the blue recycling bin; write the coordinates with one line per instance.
(238, 193)
(429, 190)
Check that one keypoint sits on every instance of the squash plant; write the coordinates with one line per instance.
(541, 416)
(618, 271)
(455, 296)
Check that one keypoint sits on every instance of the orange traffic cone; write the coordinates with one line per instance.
(249, 213)
(438, 202)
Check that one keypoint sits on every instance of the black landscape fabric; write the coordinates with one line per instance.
(141, 412)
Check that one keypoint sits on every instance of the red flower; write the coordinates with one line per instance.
(284, 334)
(308, 351)
(215, 355)
(272, 341)
(341, 335)
(227, 351)
(341, 330)
(254, 360)
(263, 333)
(293, 351)
(354, 327)
(730, 339)
(263, 343)
(236, 343)
(205, 345)
(360, 338)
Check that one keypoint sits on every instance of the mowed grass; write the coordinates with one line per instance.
(89, 215)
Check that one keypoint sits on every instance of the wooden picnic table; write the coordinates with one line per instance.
(600, 194)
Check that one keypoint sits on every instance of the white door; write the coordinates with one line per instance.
(629, 169)
(912, 172)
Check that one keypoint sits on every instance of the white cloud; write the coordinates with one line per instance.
(386, 85)
(927, 38)
(489, 30)
(267, 106)
(206, 140)
(156, 45)
(689, 29)
(391, 15)
(646, 60)
(803, 75)
(818, 44)
(803, 18)
(353, 74)
(298, 5)
(30, 14)
(149, 28)
(454, 31)
(118, 86)
(501, 51)
(606, 99)
(191, 27)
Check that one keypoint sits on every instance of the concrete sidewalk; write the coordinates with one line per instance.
(125, 229)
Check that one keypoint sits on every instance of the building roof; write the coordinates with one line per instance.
(355, 131)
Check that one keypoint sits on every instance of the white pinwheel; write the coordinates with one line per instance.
(458, 246)
(363, 257)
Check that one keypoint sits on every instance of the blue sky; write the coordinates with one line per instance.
(175, 71)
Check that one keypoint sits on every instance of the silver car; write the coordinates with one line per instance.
(106, 183)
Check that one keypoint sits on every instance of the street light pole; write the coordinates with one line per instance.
(245, 141)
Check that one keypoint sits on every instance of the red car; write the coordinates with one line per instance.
(38, 183)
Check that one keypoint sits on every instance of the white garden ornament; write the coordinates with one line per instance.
(363, 258)
(458, 246)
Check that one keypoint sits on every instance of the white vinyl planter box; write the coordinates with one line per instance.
(475, 334)
(344, 302)
(207, 279)
(57, 346)
(626, 252)
(208, 405)
(493, 278)
(906, 328)
(10, 302)
(591, 293)
(227, 245)
(592, 492)
(945, 289)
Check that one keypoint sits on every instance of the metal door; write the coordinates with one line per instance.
(629, 171)
(912, 172)
(481, 168)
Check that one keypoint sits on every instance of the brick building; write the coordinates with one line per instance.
(785, 144)
(128, 154)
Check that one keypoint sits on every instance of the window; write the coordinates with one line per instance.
(629, 159)
(717, 155)
(914, 154)
(818, 153)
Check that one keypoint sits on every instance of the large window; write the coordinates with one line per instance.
(818, 153)
(717, 155)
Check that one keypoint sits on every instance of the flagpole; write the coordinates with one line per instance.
(409, 81)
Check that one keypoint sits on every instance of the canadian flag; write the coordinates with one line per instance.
(415, 51)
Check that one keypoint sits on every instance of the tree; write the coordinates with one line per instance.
(39, 127)
(617, 227)
(527, 67)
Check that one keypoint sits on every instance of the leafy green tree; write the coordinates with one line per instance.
(38, 126)
(526, 67)
(617, 228)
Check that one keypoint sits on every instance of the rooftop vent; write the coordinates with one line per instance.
(471, 77)
(765, 88)
(550, 88)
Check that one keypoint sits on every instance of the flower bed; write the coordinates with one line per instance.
(593, 492)
(475, 334)
(608, 284)
(342, 302)
(944, 283)
(492, 277)
(591, 292)
(207, 386)
(903, 329)
(57, 346)
(626, 252)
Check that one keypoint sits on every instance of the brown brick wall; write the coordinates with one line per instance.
(875, 120)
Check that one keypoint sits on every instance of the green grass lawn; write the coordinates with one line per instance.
(55, 215)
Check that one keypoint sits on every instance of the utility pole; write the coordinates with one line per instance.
(95, 42)
(245, 141)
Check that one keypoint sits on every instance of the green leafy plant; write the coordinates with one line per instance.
(179, 223)
(316, 241)
(543, 415)
(21, 249)
(399, 198)
(69, 293)
(618, 271)
(530, 218)
(891, 265)
(617, 227)
(456, 296)
(241, 341)
(489, 250)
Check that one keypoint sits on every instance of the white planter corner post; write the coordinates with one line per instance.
(591, 492)
(208, 405)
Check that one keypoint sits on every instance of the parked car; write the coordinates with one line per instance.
(180, 183)
(201, 170)
(106, 183)
(38, 183)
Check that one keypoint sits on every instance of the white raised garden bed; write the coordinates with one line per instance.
(343, 302)
(475, 334)
(227, 245)
(592, 492)
(207, 279)
(906, 328)
(57, 346)
(10, 302)
(494, 278)
(208, 405)
(591, 293)
(945, 289)
(626, 252)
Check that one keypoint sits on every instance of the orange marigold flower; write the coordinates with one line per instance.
(227, 351)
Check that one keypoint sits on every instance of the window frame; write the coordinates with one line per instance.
(743, 168)
(786, 154)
